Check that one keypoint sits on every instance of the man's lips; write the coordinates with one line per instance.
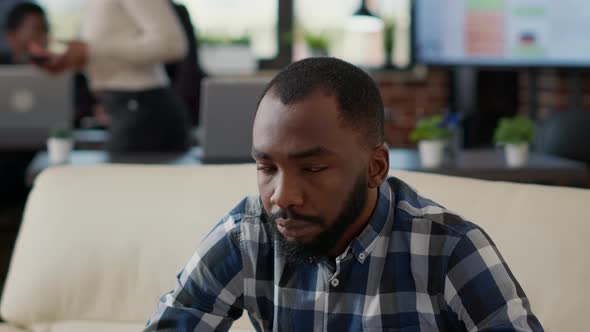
(292, 228)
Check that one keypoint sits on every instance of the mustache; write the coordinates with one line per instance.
(290, 214)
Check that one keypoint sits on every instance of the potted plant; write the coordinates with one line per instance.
(59, 145)
(389, 42)
(431, 134)
(317, 44)
(515, 134)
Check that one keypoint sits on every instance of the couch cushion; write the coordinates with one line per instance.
(8, 328)
(104, 243)
(84, 326)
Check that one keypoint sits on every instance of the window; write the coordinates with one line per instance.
(234, 19)
(329, 19)
(64, 20)
(259, 21)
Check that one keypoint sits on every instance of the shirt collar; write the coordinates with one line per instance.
(380, 221)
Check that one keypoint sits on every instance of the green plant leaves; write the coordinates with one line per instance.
(515, 130)
(430, 128)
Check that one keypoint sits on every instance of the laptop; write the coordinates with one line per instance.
(227, 114)
(31, 104)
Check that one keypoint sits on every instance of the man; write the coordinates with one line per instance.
(331, 243)
(5, 7)
(25, 23)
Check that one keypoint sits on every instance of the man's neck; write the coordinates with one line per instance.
(358, 225)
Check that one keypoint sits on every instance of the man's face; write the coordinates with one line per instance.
(312, 173)
(33, 29)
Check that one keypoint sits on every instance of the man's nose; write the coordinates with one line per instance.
(287, 192)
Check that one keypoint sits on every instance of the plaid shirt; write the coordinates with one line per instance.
(415, 267)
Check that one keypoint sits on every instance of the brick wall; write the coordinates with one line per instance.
(553, 86)
(407, 96)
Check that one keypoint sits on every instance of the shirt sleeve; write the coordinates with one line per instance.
(161, 38)
(209, 291)
(481, 292)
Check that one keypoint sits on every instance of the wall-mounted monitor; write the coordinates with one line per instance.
(503, 32)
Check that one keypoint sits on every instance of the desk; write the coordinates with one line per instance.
(485, 164)
(97, 139)
(489, 164)
(90, 139)
(94, 157)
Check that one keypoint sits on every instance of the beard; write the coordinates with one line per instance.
(316, 250)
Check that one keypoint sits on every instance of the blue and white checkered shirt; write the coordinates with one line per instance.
(415, 267)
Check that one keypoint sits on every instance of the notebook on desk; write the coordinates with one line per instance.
(227, 114)
(31, 103)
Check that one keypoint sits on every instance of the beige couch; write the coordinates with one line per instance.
(99, 245)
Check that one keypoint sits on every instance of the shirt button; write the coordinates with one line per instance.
(362, 256)
(335, 282)
(133, 105)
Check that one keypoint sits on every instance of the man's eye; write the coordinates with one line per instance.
(265, 169)
(314, 169)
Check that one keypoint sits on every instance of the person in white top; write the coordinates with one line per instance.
(122, 48)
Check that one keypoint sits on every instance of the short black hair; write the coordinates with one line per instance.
(18, 13)
(357, 94)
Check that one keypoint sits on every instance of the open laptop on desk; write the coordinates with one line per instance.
(31, 103)
(227, 114)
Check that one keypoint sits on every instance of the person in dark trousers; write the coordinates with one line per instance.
(123, 51)
(186, 75)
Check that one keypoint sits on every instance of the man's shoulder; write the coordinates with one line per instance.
(249, 207)
(241, 224)
(412, 208)
(246, 227)
(247, 212)
(246, 219)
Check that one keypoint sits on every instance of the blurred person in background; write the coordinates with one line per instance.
(5, 7)
(122, 48)
(25, 23)
(186, 75)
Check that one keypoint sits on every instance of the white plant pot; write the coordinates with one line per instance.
(59, 150)
(431, 153)
(517, 155)
(315, 53)
(227, 59)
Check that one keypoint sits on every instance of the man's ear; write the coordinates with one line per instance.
(378, 165)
